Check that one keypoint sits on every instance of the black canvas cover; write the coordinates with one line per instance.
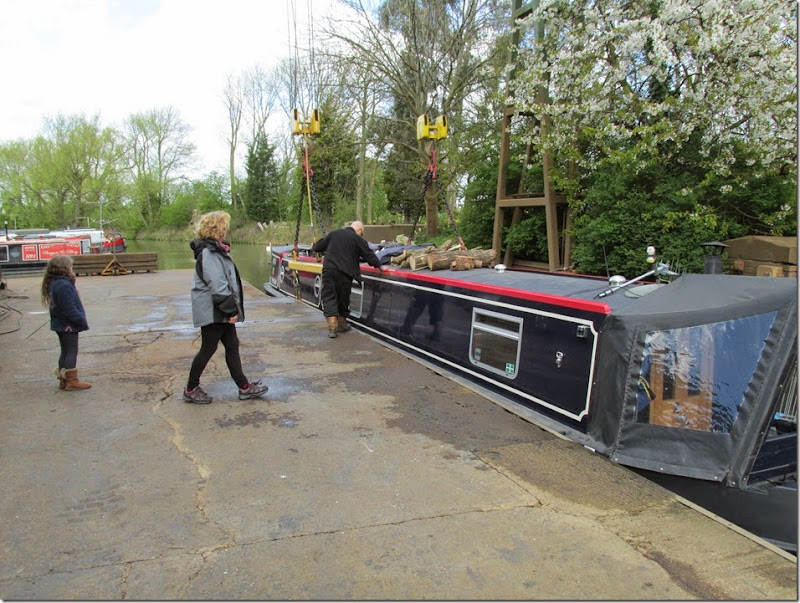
(688, 375)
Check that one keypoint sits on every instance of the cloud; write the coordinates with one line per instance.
(114, 58)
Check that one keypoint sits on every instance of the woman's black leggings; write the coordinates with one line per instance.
(210, 336)
(69, 350)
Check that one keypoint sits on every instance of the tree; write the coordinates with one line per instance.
(69, 169)
(627, 82)
(233, 98)
(250, 100)
(158, 150)
(261, 187)
(333, 158)
(196, 197)
(674, 114)
(429, 55)
(13, 166)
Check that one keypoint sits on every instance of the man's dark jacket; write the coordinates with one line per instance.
(344, 250)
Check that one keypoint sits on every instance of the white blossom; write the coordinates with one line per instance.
(668, 71)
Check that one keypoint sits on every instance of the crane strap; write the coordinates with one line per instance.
(429, 178)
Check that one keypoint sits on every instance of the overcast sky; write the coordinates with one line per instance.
(113, 58)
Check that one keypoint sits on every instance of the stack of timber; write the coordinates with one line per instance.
(444, 257)
(763, 256)
(114, 263)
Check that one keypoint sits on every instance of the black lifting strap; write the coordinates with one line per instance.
(430, 178)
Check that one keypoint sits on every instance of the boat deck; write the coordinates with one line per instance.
(572, 286)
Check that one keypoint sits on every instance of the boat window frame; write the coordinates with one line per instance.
(508, 334)
(357, 289)
(4, 249)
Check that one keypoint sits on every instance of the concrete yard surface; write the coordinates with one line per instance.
(360, 475)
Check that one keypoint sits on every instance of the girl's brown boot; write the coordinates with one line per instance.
(73, 383)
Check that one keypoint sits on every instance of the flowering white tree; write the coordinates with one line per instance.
(627, 81)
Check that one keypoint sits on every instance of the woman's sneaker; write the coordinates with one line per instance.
(196, 396)
(254, 389)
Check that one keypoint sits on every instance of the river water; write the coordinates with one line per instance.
(251, 260)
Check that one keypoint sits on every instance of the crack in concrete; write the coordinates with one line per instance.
(204, 472)
(520, 483)
(126, 572)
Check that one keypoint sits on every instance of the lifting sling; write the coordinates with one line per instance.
(432, 132)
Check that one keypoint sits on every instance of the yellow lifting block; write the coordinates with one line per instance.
(307, 127)
(434, 131)
(313, 267)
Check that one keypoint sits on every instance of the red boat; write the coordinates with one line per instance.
(31, 252)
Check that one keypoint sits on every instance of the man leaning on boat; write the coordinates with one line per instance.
(343, 251)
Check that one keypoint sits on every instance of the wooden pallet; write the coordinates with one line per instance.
(114, 263)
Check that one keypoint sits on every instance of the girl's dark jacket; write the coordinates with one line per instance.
(66, 309)
(217, 287)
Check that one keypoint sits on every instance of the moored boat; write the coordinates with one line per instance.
(31, 252)
(692, 383)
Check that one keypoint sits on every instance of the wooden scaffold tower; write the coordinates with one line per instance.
(557, 212)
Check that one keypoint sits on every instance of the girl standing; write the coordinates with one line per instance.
(67, 318)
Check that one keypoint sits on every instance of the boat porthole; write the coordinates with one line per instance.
(318, 290)
(281, 273)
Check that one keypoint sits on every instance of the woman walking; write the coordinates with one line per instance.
(217, 304)
(67, 318)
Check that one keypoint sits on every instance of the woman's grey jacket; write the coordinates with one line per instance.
(217, 287)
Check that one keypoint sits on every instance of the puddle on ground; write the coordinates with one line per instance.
(256, 418)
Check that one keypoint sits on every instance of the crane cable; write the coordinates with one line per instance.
(307, 191)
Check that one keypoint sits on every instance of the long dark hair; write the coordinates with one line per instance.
(59, 265)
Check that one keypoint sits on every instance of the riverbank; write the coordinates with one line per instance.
(280, 233)
(361, 475)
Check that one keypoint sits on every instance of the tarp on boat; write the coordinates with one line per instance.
(689, 375)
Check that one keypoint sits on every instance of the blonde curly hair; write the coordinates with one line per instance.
(213, 225)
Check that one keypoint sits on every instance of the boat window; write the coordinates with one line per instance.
(356, 299)
(3, 253)
(696, 377)
(495, 342)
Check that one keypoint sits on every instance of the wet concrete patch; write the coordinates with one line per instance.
(448, 412)
(571, 473)
(256, 418)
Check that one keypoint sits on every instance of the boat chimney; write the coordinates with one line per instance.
(713, 263)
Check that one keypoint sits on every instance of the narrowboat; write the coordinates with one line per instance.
(690, 382)
(31, 252)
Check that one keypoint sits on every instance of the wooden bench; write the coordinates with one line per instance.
(104, 263)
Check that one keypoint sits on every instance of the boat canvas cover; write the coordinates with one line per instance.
(689, 375)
